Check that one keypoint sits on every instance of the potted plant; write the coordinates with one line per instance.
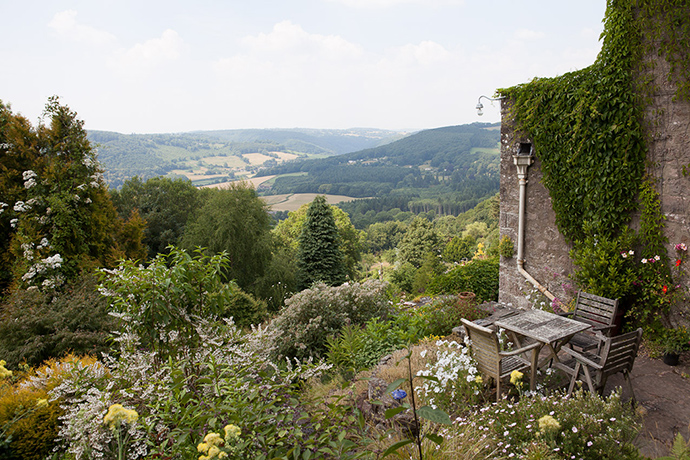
(673, 342)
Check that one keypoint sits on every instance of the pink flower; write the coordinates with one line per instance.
(681, 247)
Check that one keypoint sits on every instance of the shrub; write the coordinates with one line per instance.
(357, 348)
(29, 418)
(244, 309)
(36, 325)
(479, 276)
(445, 312)
(321, 311)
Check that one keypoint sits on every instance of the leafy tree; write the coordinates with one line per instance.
(164, 204)
(420, 239)
(61, 219)
(459, 249)
(235, 221)
(319, 257)
(383, 236)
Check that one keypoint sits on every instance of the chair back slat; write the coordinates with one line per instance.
(485, 347)
(595, 310)
(618, 353)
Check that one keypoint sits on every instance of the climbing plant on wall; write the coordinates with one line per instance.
(587, 129)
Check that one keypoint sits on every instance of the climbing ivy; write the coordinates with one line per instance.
(586, 125)
(587, 129)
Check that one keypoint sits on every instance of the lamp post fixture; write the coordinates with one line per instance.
(480, 106)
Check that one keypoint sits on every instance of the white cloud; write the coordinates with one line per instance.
(374, 4)
(528, 35)
(143, 57)
(291, 38)
(427, 52)
(66, 25)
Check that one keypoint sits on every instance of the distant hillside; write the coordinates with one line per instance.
(218, 156)
(445, 170)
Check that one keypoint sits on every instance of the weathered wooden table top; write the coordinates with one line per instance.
(542, 326)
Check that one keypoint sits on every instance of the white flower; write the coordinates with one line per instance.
(13, 223)
(644, 261)
(631, 252)
(20, 206)
(574, 429)
(30, 183)
(26, 175)
(657, 257)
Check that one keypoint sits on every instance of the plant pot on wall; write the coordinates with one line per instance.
(468, 298)
(671, 359)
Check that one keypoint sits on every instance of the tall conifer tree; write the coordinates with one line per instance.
(319, 257)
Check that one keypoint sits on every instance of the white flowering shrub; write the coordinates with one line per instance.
(455, 380)
(322, 311)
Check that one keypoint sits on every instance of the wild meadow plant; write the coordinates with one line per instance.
(582, 426)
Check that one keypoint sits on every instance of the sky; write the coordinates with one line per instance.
(150, 66)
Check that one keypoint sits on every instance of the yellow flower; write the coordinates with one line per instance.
(548, 423)
(213, 439)
(515, 377)
(213, 452)
(41, 403)
(117, 415)
(4, 373)
(231, 432)
(203, 448)
(479, 379)
(223, 455)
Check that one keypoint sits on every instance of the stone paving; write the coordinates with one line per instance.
(663, 397)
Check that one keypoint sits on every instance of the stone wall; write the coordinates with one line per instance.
(545, 250)
(546, 257)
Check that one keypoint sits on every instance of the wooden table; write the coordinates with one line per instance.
(552, 331)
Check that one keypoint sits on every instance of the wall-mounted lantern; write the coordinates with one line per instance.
(480, 106)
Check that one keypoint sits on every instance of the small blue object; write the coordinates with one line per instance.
(398, 394)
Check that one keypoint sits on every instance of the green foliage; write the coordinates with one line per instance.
(680, 449)
(506, 248)
(233, 221)
(289, 230)
(478, 275)
(357, 348)
(383, 236)
(156, 302)
(459, 249)
(605, 266)
(431, 267)
(314, 314)
(244, 309)
(319, 256)
(419, 240)
(402, 277)
(445, 312)
(36, 325)
(61, 219)
(164, 204)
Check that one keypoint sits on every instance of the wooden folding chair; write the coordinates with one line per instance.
(491, 361)
(616, 354)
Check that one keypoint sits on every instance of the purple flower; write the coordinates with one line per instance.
(398, 394)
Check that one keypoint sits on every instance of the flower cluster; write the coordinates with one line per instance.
(548, 423)
(29, 179)
(215, 446)
(117, 415)
(4, 373)
(456, 378)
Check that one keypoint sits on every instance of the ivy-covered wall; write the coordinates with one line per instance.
(598, 135)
